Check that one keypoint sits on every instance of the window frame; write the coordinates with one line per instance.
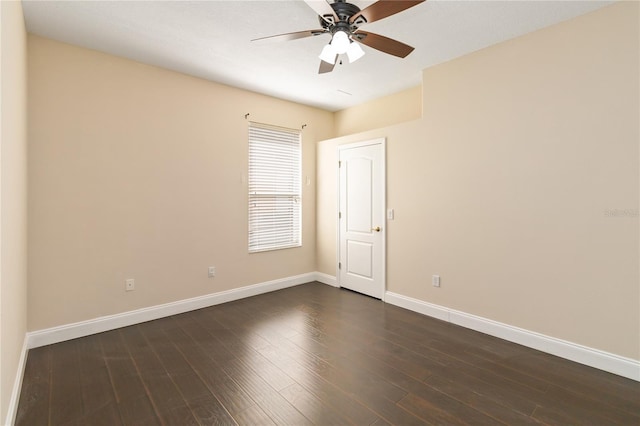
(274, 188)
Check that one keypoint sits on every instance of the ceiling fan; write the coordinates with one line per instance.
(343, 20)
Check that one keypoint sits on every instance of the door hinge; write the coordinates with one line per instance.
(339, 265)
(339, 164)
(339, 215)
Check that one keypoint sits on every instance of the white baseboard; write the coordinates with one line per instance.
(12, 409)
(98, 325)
(326, 279)
(592, 357)
(612, 363)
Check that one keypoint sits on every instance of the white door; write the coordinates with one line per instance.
(361, 251)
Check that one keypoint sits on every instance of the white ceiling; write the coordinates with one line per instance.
(212, 40)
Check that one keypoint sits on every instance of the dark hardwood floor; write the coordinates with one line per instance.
(312, 354)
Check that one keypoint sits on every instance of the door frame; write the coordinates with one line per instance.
(382, 141)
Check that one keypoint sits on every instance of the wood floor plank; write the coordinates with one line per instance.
(166, 399)
(594, 404)
(417, 343)
(209, 410)
(463, 381)
(393, 372)
(179, 394)
(253, 416)
(141, 351)
(501, 407)
(137, 410)
(98, 398)
(379, 396)
(581, 410)
(33, 408)
(335, 397)
(161, 347)
(312, 354)
(133, 402)
(180, 415)
(245, 355)
(423, 398)
(484, 402)
(230, 395)
(66, 397)
(428, 411)
(312, 407)
(387, 409)
(267, 398)
(107, 415)
(619, 392)
(559, 415)
(345, 378)
(381, 422)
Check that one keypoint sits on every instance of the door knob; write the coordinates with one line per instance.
(377, 229)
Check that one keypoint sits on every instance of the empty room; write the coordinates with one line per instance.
(320, 212)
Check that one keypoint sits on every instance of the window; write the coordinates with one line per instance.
(275, 197)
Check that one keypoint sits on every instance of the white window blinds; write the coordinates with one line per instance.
(275, 197)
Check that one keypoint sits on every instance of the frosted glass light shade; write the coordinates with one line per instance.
(354, 52)
(328, 54)
(340, 42)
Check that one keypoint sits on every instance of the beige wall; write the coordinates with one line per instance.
(138, 172)
(13, 198)
(509, 186)
(382, 112)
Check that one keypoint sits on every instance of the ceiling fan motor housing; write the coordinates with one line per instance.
(344, 11)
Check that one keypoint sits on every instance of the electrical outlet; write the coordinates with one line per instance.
(435, 280)
(212, 271)
(130, 284)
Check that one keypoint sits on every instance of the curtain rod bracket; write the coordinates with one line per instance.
(303, 126)
(246, 115)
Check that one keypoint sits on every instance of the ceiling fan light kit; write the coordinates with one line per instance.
(340, 44)
(343, 20)
(328, 54)
(354, 52)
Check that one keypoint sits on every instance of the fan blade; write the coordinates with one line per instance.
(322, 8)
(326, 67)
(383, 8)
(291, 36)
(384, 44)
